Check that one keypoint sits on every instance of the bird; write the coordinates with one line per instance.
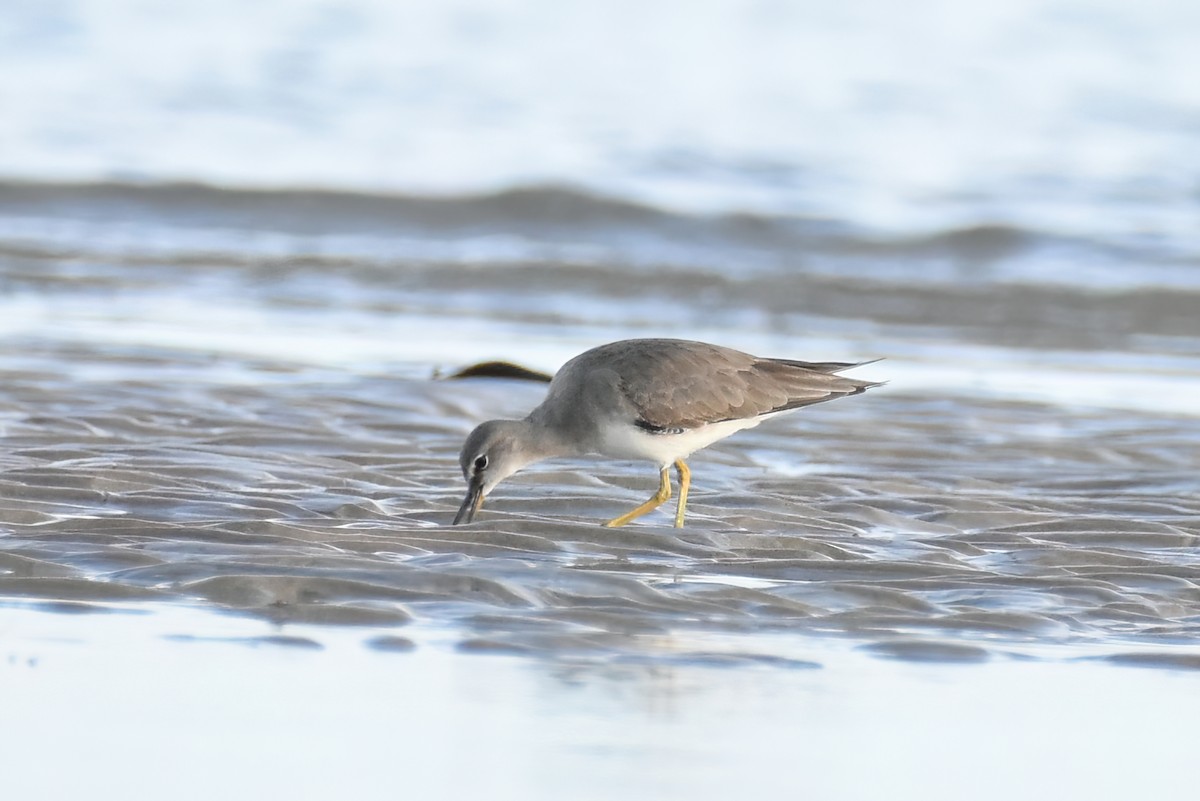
(657, 400)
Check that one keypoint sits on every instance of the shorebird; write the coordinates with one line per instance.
(659, 400)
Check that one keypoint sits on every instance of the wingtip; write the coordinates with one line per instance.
(855, 365)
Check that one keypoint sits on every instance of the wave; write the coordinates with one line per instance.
(545, 206)
(556, 223)
(560, 205)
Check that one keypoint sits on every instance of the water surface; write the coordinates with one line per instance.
(227, 464)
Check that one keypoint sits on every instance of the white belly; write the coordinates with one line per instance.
(630, 442)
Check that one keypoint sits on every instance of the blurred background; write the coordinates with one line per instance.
(962, 189)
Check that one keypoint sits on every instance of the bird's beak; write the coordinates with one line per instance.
(471, 503)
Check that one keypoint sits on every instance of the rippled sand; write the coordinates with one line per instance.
(922, 527)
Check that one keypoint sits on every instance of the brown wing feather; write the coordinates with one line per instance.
(681, 384)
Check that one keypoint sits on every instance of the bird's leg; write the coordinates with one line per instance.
(685, 480)
(656, 500)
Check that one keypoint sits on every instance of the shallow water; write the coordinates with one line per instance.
(208, 705)
(228, 462)
(207, 415)
(965, 525)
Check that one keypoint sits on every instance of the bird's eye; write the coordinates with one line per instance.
(481, 463)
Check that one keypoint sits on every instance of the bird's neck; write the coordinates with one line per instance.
(549, 440)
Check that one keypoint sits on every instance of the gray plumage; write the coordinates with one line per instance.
(676, 383)
(655, 399)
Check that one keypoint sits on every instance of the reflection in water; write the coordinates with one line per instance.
(258, 706)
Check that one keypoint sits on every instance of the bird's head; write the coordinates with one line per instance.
(493, 452)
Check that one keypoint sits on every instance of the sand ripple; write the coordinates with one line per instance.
(925, 528)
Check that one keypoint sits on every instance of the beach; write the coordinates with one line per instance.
(230, 437)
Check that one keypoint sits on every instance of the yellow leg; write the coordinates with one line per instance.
(685, 481)
(656, 500)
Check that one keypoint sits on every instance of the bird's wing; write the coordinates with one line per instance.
(684, 385)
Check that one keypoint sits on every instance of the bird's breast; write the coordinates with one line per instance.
(629, 441)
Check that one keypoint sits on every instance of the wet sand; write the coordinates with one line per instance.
(923, 528)
(227, 473)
